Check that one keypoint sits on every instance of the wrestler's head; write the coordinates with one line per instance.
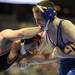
(43, 12)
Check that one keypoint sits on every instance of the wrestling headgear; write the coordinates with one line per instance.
(49, 14)
(48, 10)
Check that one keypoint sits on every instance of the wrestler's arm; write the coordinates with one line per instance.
(68, 29)
(20, 33)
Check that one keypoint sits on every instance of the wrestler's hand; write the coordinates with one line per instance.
(70, 49)
(33, 43)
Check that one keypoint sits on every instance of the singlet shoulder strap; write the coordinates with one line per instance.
(60, 41)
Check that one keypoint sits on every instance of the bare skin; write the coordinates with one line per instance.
(14, 36)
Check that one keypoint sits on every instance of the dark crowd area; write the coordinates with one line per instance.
(23, 12)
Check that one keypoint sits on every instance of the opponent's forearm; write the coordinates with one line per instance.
(29, 32)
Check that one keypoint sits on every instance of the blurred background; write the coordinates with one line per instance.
(17, 16)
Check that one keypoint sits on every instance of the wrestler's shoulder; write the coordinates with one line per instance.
(67, 24)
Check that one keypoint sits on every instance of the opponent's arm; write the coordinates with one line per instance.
(20, 33)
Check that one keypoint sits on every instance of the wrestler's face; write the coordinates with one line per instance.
(38, 18)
